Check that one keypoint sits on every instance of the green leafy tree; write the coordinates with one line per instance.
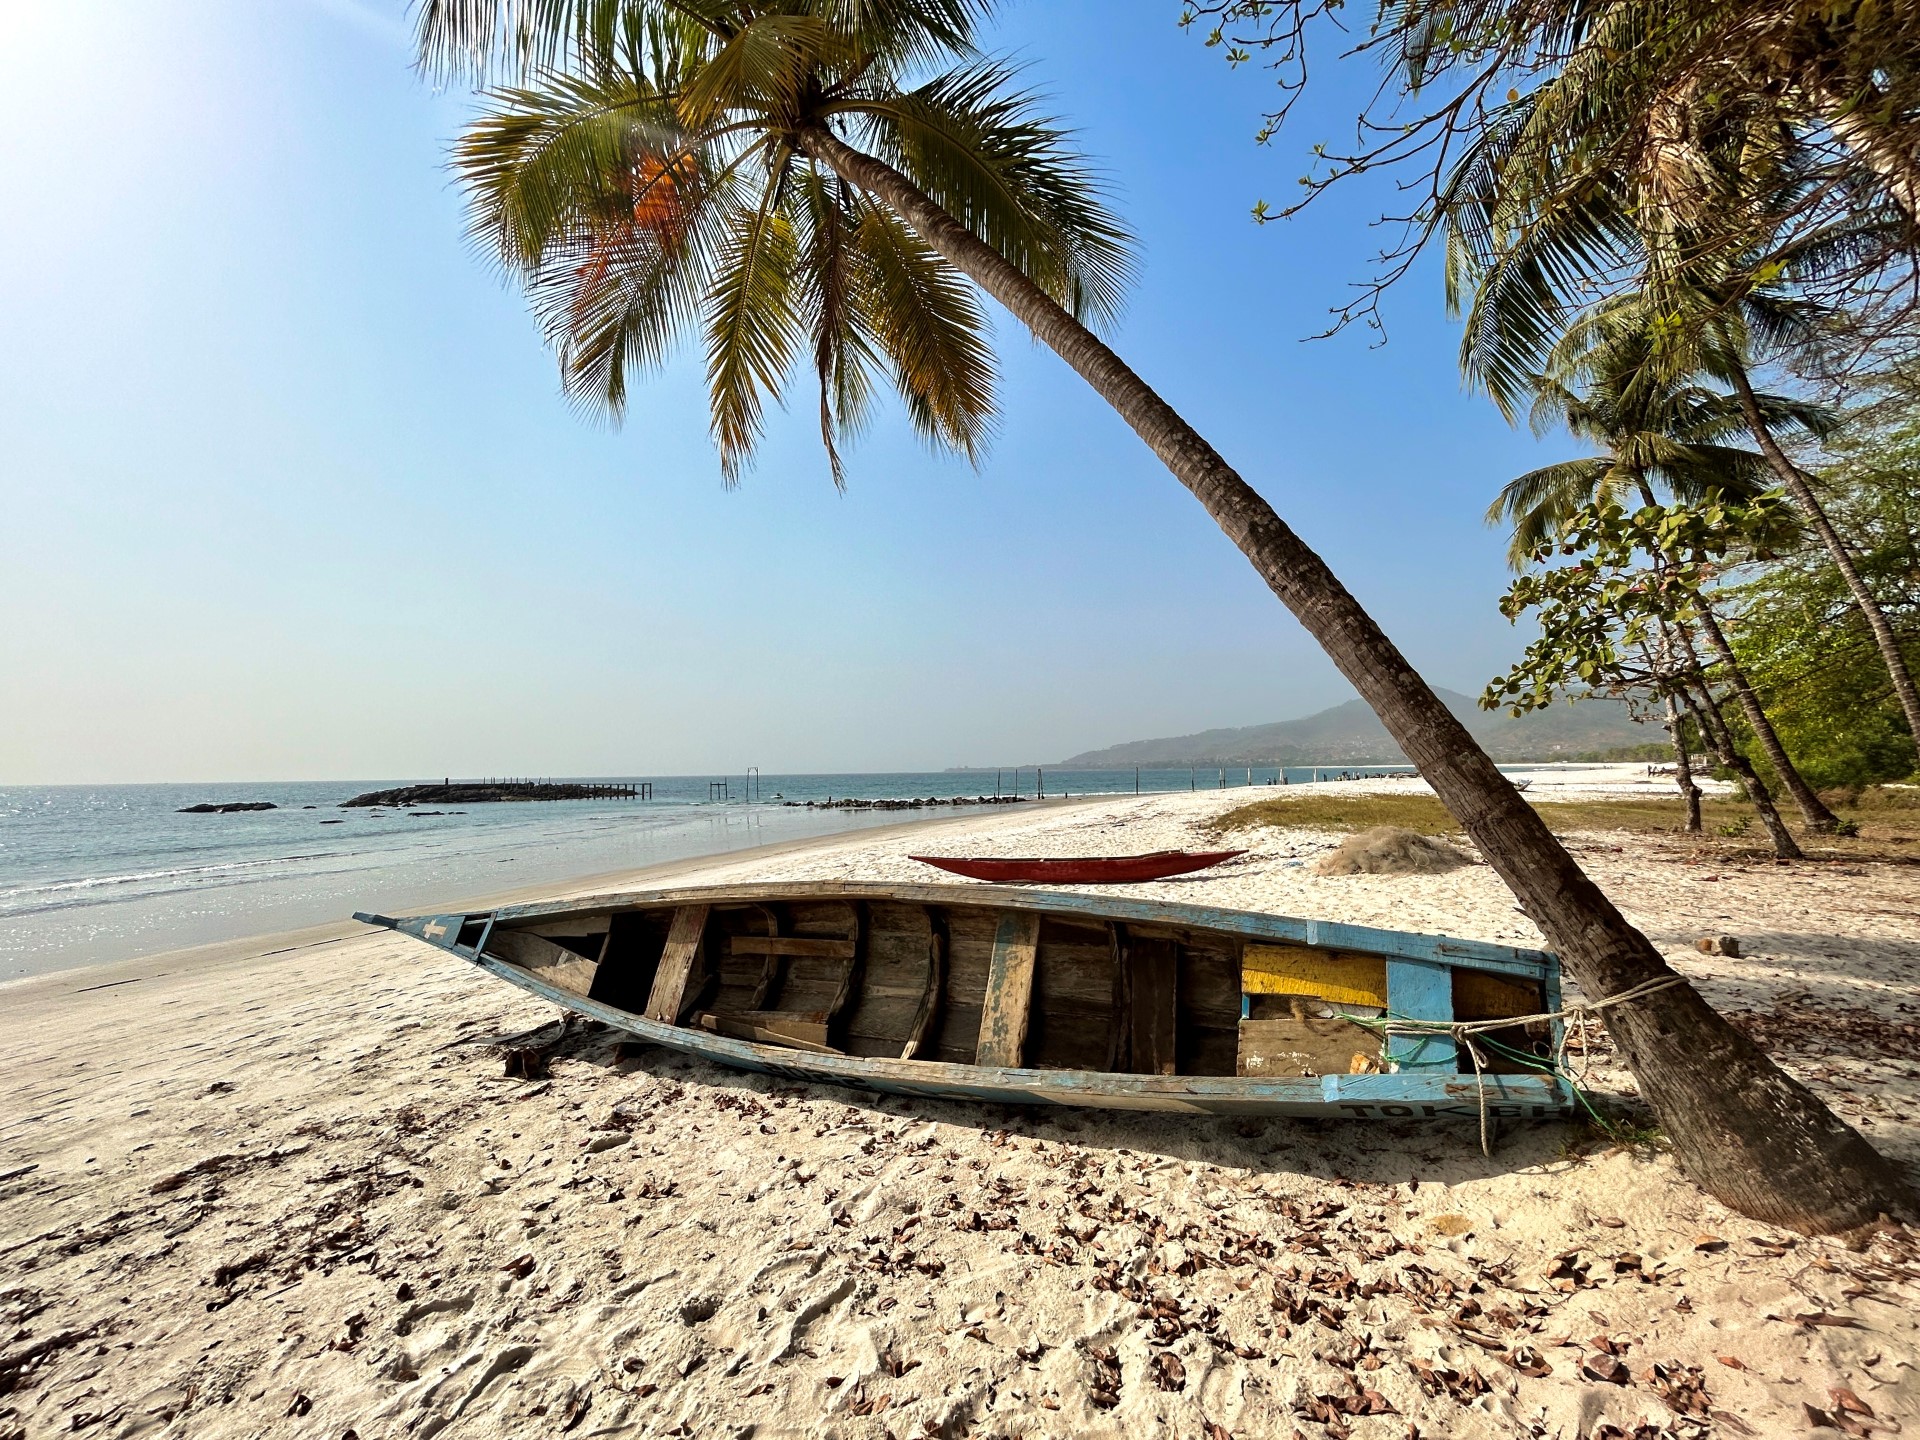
(1616, 597)
(1610, 381)
(748, 99)
(1753, 124)
(1797, 632)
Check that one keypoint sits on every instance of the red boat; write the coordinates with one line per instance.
(1086, 870)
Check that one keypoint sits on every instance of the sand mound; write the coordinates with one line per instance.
(1389, 850)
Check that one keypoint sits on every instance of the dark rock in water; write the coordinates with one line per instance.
(333, 822)
(230, 808)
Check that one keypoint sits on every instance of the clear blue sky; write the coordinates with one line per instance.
(289, 490)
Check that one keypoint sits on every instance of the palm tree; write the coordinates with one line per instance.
(1607, 382)
(1532, 233)
(749, 105)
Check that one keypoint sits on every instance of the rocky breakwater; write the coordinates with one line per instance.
(483, 793)
(232, 807)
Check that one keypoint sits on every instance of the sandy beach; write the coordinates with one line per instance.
(283, 1186)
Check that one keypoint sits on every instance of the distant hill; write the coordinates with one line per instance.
(1350, 735)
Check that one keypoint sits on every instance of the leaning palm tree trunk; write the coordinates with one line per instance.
(1795, 481)
(1745, 1130)
(1713, 727)
(1683, 765)
(1812, 808)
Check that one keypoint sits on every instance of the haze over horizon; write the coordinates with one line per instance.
(293, 494)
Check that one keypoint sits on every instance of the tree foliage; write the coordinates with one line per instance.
(1802, 640)
(641, 173)
(1772, 133)
(1612, 588)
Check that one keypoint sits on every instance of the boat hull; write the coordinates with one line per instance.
(1088, 870)
(1420, 1088)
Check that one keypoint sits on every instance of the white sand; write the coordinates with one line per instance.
(296, 1196)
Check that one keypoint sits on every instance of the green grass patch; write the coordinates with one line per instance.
(1427, 816)
(1884, 823)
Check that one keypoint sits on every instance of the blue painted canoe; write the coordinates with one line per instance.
(1030, 997)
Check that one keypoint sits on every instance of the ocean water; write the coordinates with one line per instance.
(92, 874)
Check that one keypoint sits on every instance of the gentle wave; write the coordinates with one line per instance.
(136, 877)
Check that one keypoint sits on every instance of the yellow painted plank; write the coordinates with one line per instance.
(1330, 975)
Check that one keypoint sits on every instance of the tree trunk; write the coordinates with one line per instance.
(1796, 486)
(1812, 808)
(1683, 765)
(1706, 714)
(1871, 146)
(1744, 1129)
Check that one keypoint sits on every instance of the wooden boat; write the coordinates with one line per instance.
(1086, 870)
(1020, 997)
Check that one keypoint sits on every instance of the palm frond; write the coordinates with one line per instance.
(928, 321)
(753, 323)
(983, 152)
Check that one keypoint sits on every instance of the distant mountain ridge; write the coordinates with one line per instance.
(1350, 734)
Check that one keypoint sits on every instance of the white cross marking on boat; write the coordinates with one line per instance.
(433, 930)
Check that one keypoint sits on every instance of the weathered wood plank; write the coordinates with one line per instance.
(676, 964)
(1153, 1019)
(927, 1016)
(775, 968)
(1120, 1023)
(1009, 996)
(1299, 1045)
(791, 945)
(856, 965)
(1421, 990)
(771, 1027)
(555, 964)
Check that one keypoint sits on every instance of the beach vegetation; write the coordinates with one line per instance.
(787, 128)
(1806, 646)
(1876, 823)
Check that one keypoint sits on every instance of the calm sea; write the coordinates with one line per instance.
(91, 874)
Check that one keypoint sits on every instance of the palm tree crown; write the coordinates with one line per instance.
(1608, 382)
(659, 186)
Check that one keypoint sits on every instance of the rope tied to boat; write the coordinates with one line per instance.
(1462, 1032)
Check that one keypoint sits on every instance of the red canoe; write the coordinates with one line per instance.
(1088, 870)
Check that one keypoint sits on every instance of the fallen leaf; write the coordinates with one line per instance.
(1845, 1399)
(1604, 1367)
(1732, 1362)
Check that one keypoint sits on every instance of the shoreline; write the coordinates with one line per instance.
(219, 953)
(306, 1188)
